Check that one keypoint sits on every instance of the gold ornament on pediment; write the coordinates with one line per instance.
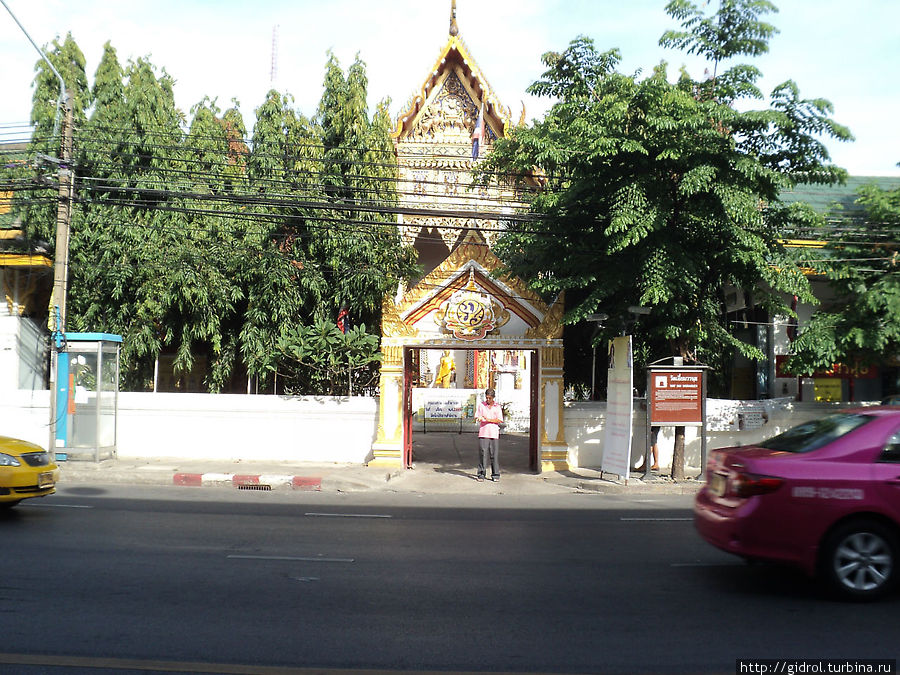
(471, 313)
(551, 327)
(391, 323)
(449, 116)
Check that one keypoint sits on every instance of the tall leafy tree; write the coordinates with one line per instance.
(187, 241)
(132, 275)
(861, 323)
(657, 191)
(358, 247)
(339, 248)
(282, 177)
(38, 207)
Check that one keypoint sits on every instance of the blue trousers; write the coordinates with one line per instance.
(489, 451)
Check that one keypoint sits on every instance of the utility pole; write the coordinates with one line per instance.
(63, 219)
(59, 376)
(57, 321)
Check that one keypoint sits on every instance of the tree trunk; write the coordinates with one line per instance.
(678, 455)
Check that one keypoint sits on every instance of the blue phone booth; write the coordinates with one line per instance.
(87, 396)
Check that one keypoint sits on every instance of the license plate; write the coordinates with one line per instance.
(45, 479)
(717, 484)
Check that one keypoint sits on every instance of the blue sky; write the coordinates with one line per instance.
(845, 52)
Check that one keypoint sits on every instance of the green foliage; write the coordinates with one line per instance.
(38, 212)
(323, 360)
(189, 241)
(338, 247)
(861, 323)
(734, 29)
(661, 194)
(362, 250)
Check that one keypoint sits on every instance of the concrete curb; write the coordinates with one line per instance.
(426, 478)
(248, 481)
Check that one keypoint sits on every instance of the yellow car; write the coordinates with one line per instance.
(26, 470)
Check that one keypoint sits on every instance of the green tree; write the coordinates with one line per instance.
(38, 207)
(358, 247)
(321, 358)
(861, 323)
(735, 29)
(187, 241)
(656, 193)
(337, 245)
(132, 271)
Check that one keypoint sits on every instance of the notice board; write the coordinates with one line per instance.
(676, 397)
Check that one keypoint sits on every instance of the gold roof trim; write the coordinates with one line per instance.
(394, 325)
(455, 50)
(470, 249)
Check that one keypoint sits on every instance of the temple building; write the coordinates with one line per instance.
(463, 326)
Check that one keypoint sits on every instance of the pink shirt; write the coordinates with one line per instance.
(489, 429)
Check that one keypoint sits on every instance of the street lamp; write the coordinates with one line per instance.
(598, 320)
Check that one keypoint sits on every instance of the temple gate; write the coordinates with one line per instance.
(463, 304)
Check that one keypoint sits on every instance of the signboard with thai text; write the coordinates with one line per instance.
(444, 408)
(676, 397)
(620, 383)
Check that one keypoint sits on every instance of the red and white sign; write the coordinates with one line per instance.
(676, 397)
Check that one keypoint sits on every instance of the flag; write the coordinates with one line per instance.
(478, 133)
(343, 319)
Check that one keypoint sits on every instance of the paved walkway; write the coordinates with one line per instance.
(444, 463)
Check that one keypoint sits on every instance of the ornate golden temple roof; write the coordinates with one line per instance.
(456, 53)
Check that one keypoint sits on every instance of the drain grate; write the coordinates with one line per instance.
(253, 486)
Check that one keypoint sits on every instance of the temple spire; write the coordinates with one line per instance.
(454, 29)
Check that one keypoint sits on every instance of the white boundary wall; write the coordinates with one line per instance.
(25, 414)
(219, 426)
(584, 430)
(338, 430)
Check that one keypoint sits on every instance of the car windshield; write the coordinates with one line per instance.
(816, 433)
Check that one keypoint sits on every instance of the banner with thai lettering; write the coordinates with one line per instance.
(619, 390)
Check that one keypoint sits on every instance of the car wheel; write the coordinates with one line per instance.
(859, 560)
(9, 505)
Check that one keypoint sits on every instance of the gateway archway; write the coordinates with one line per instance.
(438, 418)
(465, 304)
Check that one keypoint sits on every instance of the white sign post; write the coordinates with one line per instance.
(619, 388)
(443, 409)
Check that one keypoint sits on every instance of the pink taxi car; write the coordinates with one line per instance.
(824, 496)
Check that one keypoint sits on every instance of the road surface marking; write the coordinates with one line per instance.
(60, 506)
(159, 665)
(347, 515)
(288, 557)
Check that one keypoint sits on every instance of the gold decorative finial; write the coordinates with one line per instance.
(472, 286)
(454, 29)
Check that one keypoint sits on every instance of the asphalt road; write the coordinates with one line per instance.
(137, 579)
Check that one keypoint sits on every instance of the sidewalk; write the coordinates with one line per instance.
(444, 464)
